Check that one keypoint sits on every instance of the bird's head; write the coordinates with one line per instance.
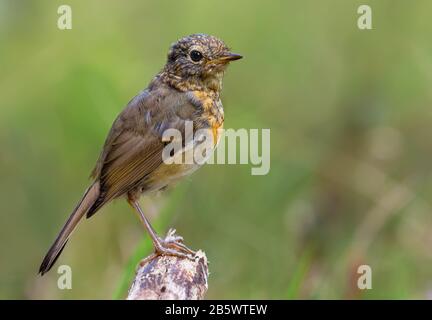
(199, 59)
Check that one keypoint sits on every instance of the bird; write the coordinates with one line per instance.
(131, 163)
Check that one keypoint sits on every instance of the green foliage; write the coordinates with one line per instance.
(350, 120)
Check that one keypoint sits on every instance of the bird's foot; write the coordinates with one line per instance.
(171, 245)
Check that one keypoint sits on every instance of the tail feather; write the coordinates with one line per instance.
(90, 197)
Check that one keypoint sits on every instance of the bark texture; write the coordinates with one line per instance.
(170, 278)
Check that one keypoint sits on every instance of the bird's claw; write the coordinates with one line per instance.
(171, 245)
(173, 237)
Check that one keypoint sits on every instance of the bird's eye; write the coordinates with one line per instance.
(196, 55)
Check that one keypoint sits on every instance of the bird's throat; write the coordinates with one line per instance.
(211, 82)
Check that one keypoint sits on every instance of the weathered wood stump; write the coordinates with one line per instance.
(171, 278)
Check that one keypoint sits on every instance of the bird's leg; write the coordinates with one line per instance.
(171, 245)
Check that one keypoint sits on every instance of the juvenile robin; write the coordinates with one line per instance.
(131, 162)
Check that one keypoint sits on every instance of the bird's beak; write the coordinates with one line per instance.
(229, 57)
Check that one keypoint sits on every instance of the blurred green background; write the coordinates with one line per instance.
(350, 118)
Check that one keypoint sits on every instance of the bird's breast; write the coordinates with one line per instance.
(211, 115)
(208, 119)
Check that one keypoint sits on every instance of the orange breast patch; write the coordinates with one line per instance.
(216, 130)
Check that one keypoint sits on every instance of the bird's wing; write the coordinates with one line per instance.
(133, 148)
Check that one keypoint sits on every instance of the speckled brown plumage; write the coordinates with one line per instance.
(130, 164)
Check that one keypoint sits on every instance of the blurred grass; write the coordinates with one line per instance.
(349, 113)
(299, 275)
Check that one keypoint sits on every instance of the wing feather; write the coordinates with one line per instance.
(133, 148)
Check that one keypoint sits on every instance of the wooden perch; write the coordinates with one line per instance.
(170, 278)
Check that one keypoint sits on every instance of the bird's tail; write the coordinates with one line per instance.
(87, 201)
